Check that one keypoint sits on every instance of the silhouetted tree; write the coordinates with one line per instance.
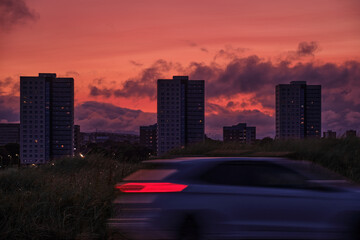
(4, 157)
(14, 151)
(266, 140)
(121, 151)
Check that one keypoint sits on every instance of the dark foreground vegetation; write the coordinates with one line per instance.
(71, 198)
(67, 199)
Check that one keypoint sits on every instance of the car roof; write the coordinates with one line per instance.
(214, 159)
(306, 168)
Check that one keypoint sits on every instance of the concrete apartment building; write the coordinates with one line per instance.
(180, 112)
(148, 138)
(298, 110)
(46, 118)
(9, 133)
(239, 133)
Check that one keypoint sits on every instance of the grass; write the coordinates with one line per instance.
(71, 198)
(68, 199)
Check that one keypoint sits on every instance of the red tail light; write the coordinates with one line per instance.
(150, 187)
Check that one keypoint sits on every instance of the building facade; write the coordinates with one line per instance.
(180, 112)
(9, 133)
(298, 110)
(148, 138)
(239, 133)
(46, 118)
(329, 134)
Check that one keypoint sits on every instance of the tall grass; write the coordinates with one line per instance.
(68, 199)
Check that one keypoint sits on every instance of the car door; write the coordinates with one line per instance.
(265, 200)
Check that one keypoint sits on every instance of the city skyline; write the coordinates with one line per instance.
(242, 49)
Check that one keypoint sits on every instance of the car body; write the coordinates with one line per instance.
(235, 198)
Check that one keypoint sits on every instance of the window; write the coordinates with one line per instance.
(254, 174)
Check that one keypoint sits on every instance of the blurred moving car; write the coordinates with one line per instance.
(236, 198)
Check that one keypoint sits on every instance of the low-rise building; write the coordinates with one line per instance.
(350, 133)
(148, 138)
(329, 134)
(9, 133)
(239, 133)
(101, 137)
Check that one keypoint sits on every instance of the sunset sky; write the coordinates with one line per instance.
(116, 50)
